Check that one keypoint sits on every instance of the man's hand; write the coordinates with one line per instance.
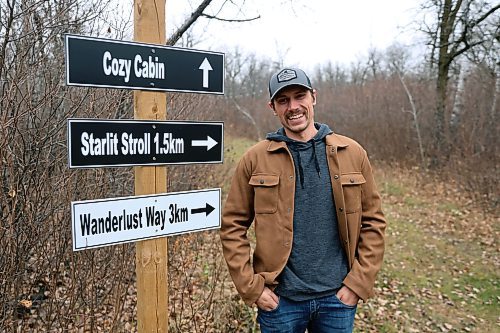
(347, 296)
(268, 300)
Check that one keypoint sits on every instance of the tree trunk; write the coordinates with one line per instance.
(440, 153)
(496, 93)
(448, 15)
(458, 105)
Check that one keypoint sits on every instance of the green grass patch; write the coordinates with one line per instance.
(235, 147)
(413, 202)
(450, 207)
(436, 275)
(393, 188)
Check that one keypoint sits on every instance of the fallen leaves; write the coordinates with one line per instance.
(441, 265)
(440, 274)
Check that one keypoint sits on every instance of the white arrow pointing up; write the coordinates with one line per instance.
(209, 143)
(205, 66)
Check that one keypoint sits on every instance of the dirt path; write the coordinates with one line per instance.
(441, 270)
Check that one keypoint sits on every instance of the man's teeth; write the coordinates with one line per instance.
(297, 116)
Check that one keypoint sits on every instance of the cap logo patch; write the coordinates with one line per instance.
(286, 75)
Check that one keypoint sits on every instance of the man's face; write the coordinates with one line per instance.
(294, 106)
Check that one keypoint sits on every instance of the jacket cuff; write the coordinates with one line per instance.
(357, 286)
(252, 294)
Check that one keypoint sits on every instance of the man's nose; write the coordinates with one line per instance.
(294, 104)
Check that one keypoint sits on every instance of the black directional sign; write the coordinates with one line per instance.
(98, 62)
(110, 143)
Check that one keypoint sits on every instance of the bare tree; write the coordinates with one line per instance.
(250, 117)
(458, 27)
(414, 113)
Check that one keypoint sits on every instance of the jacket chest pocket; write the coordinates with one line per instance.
(351, 186)
(265, 193)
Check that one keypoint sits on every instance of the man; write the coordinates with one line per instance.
(319, 227)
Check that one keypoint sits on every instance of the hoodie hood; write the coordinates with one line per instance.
(296, 147)
(280, 136)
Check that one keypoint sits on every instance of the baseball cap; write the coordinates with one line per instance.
(288, 77)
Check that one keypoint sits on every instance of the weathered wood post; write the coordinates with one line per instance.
(151, 255)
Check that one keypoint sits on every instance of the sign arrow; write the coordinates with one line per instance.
(209, 143)
(179, 222)
(205, 66)
(207, 209)
(91, 62)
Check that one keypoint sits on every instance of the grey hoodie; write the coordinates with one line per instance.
(317, 264)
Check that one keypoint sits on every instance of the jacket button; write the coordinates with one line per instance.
(262, 181)
(351, 180)
(336, 176)
(341, 209)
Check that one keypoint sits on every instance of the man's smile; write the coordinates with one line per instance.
(295, 116)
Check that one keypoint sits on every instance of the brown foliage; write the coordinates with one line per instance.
(375, 110)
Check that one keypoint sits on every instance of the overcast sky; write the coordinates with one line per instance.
(302, 33)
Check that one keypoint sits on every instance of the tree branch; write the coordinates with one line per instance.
(465, 48)
(199, 13)
(488, 13)
(194, 16)
(230, 20)
(455, 51)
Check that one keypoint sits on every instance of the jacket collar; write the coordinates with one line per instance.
(336, 141)
(276, 145)
(331, 140)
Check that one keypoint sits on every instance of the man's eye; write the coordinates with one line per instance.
(281, 100)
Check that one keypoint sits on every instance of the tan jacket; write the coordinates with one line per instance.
(263, 189)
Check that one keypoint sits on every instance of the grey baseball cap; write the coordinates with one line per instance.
(288, 77)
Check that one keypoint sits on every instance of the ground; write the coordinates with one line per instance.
(441, 267)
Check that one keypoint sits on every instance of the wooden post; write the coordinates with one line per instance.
(151, 255)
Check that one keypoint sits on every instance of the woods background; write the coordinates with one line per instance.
(436, 116)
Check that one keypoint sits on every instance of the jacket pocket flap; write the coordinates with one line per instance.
(264, 180)
(352, 179)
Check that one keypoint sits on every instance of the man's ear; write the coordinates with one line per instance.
(314, 94)
(271, 106)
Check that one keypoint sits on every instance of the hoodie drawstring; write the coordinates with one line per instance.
(299, 162)
(301, 170)
(316, 158)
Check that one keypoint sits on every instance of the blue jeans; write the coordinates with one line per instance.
(321, 315)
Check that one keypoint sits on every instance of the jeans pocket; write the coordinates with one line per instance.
(273, 310)
(344, 304)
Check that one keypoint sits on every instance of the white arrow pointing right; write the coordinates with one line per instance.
(209, 143)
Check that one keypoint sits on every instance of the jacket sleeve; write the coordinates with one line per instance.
(237, 216)
(371, 244)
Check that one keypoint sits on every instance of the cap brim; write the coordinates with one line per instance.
(289, 85)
